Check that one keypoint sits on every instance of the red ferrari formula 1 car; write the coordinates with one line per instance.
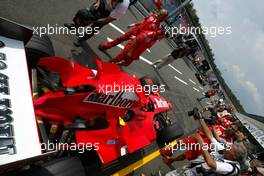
(83, 100)
(102, 109)
(117, 121)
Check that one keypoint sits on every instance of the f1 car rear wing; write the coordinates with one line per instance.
(19, 139)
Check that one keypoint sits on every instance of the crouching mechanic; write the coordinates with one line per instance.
(208, 94)
(180, 52)
(99, 14)
(222, 160)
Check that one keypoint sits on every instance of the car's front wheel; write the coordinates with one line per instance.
(38, 47)
(166, 131)
(169, 133)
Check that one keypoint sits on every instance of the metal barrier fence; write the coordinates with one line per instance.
(254, 128)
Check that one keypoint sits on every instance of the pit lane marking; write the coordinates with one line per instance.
(140, 57)
(180, 80)
(174, 69)
(196, 89)
(119, 45)
(145, 60)
(192, 81)
(116, 28)
(121, 31)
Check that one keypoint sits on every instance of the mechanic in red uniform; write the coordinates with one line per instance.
(221, 133)
(193, 153)
(151, 23)
(135, 47)
(141, 36)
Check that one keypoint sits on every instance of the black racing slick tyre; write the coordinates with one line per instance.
(66, 166)
(38, 47)
(170, 133)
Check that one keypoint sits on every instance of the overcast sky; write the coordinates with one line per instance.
(239, 56)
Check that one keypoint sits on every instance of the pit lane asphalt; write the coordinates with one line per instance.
(179, 76)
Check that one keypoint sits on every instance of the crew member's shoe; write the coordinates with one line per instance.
(78, 42)
(69, 25)
(166, 152)
(167, 160)
(155, 66)
(103, 46)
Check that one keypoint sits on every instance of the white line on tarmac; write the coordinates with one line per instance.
(180, 80)
(201, 88)
(119, 45)
(174, 69)
(145, 60)
(116, 28)
(192, 81)
(196, 89)
(140, 57)
(121, 31)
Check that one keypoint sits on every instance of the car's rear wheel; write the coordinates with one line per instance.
(58, 167)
